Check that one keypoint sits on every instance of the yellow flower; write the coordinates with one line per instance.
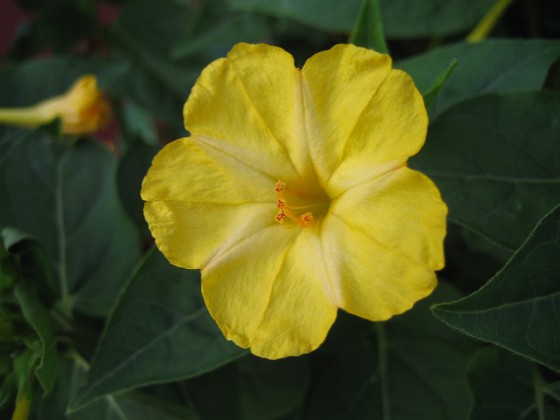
(293, 197)
(83, 109)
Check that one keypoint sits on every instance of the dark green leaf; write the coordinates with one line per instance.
(38, 80)
(414, 372)
(124, 406)
(368, 30)
(504, 387)
(431, 18)
(160, 331)
(70, 204)
(484, 67)
(496, 160)
(32, 261)
(518, 308)
(432, 93)
(39, 318)
(251, 389)
(401, 18)
(132, 169)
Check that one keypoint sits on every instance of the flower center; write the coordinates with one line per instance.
(295, 205)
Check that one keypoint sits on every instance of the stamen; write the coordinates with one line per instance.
(284, 211)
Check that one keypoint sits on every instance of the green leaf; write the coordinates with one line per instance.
(401, 18)
(484, 67)
(518, 308)
(252, 389)
(432, 93)
(37, 80)
(70, 204)
(33, 262)
(368, 30)
(326, 15)
(504, 386)
(496, 160)
(124, 406)
(409, 368)
(132, 169)
(405, 19)
(159, 331)
(39, 318)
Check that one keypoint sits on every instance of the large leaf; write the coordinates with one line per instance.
(518, 308)
(483, 67)
(124, 406)
(408, 368)
(504, 386)
(65, 196)
(401, 18)
(251, 389)
(496, 160)
(160, 331)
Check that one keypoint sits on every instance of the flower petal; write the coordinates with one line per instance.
(362, 118)
(194, 171)
(274, 303)
(248, 104)
(192, 189)
(385, 239)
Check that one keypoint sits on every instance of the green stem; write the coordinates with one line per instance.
(66, 300)
(539, 394)
(485, 26)
(383, 369)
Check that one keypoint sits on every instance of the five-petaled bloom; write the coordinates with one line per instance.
(83, 109)
(293, 197)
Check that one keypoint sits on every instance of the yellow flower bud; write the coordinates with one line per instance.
(83, 109)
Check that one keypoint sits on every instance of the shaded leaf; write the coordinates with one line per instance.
(484, 67)
(496, 160)
(251, 389)
(70, 204)
(159, 331)
(421, 377)
(504, 387)
(125, 406)
(518, 308)
(34, 265)
(401, 18)
(39, 318)
(432, 93)
(368, 30)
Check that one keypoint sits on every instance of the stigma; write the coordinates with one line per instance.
(284, 210)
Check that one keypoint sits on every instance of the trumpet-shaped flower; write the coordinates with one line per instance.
(293, 197)
(83, 109)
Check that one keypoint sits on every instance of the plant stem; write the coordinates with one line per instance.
(539, 395)
(485, 26)
(383, 369)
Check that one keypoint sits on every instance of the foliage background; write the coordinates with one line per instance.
(96, 324)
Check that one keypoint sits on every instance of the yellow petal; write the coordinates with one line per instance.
(385, 240)
(193, 171)
(276, 302)
(199, 200)
(375, 282)
(248, 105)
(403, 210)
(362, 118)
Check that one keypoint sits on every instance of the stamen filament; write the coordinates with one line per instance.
(284, 210)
